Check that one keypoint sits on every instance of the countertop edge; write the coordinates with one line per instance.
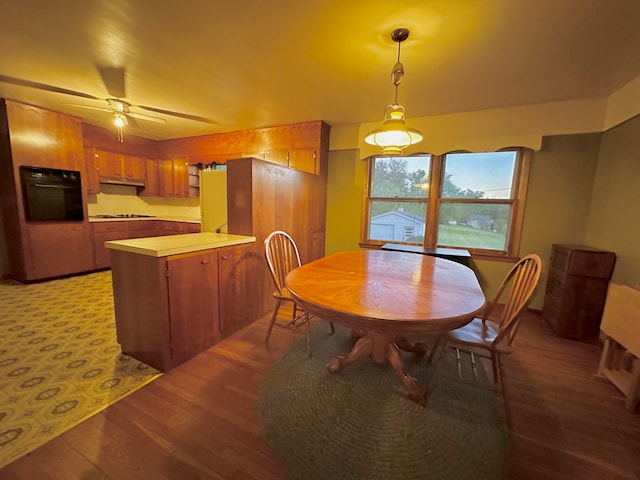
(150, 219)
(178, 244)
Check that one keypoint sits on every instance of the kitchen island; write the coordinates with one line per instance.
(177, 295)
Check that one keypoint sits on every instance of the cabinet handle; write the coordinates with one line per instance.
(226, 257)
(77, 229)
(208, 260)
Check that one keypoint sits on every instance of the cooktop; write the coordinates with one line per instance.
(125, 215)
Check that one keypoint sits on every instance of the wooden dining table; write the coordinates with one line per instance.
(385, 297)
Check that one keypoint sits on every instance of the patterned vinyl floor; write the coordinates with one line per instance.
(60, 361)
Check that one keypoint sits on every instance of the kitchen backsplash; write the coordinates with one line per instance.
(119, 199)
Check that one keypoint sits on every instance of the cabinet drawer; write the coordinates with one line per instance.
(103, 227)
(138, 225)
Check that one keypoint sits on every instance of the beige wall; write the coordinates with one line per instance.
(614, 218)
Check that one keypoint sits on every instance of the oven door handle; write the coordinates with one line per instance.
(46, 185)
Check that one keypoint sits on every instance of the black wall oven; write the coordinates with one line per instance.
(51, 194)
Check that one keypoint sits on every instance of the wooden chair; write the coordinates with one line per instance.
(281, 253)
(491, 335)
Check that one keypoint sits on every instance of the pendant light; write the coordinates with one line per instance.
(395, 135)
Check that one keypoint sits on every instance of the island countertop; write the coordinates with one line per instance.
(177, 244)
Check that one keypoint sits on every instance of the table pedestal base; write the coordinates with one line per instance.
(383, 348)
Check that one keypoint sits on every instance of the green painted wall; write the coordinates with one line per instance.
(344, 200)
(614, 217)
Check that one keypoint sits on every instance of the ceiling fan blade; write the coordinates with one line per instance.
(113, 79)
(150, 118)
(178, 114)
(43, 86)
(131, 121)
(102, 109)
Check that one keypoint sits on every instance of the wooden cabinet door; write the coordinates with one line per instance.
(134, 169)
(165, 171)
(305, 160)
(141, 228)
(90, 179)
(102, 232)
(180, 177)
(237, 303)
(57, 249)
(110, 165)
(193, 303)
(152, 179)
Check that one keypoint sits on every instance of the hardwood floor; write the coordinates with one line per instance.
(200, 420)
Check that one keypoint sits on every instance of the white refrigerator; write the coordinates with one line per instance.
(213, 200)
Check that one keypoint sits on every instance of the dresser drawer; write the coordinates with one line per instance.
(582, 261)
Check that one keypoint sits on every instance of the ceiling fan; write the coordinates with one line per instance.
(114, 80)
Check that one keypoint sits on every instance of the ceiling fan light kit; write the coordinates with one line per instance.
(114, 79)
(395, 135)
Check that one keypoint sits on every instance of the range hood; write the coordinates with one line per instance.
(121, 181)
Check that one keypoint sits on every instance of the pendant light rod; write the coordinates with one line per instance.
(395, 135)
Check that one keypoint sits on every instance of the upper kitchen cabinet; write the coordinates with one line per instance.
(174, 177)
(121, 168)
(152, 187)
(130, 162)
(39, 248)
(300, 146)
(134, 169)
(91, 157)
(43, 138)
(110, 167)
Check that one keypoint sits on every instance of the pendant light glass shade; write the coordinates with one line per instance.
(395, 135)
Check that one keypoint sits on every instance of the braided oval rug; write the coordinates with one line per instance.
(360, 424)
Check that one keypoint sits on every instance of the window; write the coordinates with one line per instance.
(459, 200)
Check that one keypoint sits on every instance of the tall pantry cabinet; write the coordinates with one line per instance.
(41, 138)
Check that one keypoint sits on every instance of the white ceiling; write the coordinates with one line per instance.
(255, 63)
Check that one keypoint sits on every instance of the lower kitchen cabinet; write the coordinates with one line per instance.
(120, 230)
(238, 306)
(58, 249)
(103, 232)
(193, 303)
(168, 309)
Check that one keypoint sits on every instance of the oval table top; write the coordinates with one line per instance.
(388, 291)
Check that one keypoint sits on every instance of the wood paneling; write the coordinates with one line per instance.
(263, 197)
(301, 145)
(39, 137)
(107, 141)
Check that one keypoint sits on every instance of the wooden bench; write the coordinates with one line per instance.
(620, 361)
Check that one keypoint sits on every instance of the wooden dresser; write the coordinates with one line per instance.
(576, 290)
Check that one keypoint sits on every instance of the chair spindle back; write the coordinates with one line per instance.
(517, 289)
(282, 256)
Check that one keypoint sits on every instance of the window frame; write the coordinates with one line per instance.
(434, 199)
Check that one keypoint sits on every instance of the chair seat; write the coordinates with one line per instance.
(475, 332)
(284, 294)
(492, 338)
